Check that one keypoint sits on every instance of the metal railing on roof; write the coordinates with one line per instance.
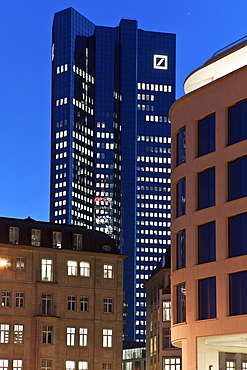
(229, 46)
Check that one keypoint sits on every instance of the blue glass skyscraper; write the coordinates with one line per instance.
(110, 149)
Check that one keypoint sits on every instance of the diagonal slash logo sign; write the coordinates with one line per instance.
(160, 61)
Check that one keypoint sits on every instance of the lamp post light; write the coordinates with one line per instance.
(3, 263)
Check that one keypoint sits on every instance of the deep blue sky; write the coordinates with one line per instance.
(202, 27)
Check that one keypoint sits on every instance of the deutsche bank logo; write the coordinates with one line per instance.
(160, 61)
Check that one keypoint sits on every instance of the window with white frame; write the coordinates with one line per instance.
(14, 235)
(46, 364)
(77, 241)
(107, 337)
(71, 300)
(84, 304)
(108, 366)
(57, 239)
(4, 333)
(20, 264)
(108, 272)
(171, 363)
(19, 300)
(230, 365)
(36, 237)
(82, 365)
(83, 336)
(46, 269)
(17, 365)
(6, 302)
(46, 304)
(4, 364)
(84, 268)
(18, 334)
(108, 305)
(70, 337)
(72, 268)
(47, 334)
(70, 365)
(166, 310)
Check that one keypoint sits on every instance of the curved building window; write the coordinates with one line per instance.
(181, 302)
(237, 122)
(238, 297)
(237, 179)
(206, 135)
(207, 298)
(206, 188)
(206, 242)
(237, 227)
(181, 146)
(181, 249)
(181, 197)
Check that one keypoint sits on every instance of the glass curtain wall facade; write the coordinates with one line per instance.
(110, 148)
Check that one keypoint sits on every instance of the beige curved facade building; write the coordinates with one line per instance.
(209, 214)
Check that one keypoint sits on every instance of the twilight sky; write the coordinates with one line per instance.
(202, 28)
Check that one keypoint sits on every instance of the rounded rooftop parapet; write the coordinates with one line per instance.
(220, 65)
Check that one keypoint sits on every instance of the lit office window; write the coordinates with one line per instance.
(4, 333)
(4, 364)
(171, 364)
(84, 268)
(166, 310)
(83, 337)
(82, 365)
(70, 365)
(107, 338)
(230, 365)
(108, 272)
(46, 270)
(17, 365)
(70, 336)
(206, 135)
(20, 264)
(207, 298)
(72, 268)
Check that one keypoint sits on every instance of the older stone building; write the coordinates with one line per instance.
(61, 297)
(160, 353)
